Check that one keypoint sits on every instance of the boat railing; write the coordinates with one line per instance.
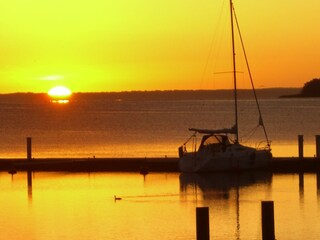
(267, 145)
(183, 148)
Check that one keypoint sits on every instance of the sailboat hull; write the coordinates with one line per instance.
(237, 157)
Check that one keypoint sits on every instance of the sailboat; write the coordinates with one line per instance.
(220, 149)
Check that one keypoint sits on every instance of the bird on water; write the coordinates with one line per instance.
(117, 198)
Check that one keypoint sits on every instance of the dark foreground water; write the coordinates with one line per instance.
(81, 206)
(103, 127)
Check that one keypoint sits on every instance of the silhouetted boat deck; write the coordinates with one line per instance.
(143, 165)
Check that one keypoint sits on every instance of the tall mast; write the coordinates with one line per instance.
(234, 75)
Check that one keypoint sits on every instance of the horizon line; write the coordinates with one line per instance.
(167, 90)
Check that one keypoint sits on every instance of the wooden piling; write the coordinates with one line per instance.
(29, 148)
(202, 219)
(318, 146)
(300, 143)
(267, 217)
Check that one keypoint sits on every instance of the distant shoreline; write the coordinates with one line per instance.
(298, 96)
(160, 95)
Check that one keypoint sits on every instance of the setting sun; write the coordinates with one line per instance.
(60, 94)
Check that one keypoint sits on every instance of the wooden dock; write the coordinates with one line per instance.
(91, 164)
(143, 165)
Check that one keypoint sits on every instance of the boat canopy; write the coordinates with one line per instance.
(232, 130)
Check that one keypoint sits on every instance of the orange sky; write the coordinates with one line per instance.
(104, 45)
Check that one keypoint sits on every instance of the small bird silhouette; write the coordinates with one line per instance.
(117, 198)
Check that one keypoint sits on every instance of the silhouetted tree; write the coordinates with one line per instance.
(311, 88)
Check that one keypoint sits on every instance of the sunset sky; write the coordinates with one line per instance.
(104, 45)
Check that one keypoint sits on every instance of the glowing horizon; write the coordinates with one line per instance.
(94, 46)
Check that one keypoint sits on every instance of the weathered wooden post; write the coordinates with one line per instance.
(300, 142)
(29, 148)
(267, 217)
(202, 219)
(318, 146)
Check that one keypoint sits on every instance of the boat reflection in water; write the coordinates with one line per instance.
(223, 181)
(229, 196)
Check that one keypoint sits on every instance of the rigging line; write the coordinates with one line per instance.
(215, 43)
(251, 133)
(212, 45)
(251, 80)
(207, 61)
(192, 136)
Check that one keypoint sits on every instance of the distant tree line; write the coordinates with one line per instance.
(311, 88)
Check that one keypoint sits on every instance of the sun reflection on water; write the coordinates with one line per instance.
(60, 101)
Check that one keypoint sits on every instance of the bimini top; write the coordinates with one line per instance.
(232, 130)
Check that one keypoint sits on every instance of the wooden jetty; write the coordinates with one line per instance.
(143, 165)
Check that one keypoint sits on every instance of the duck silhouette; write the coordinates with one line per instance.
(117, 198)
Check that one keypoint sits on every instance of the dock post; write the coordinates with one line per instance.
(267, 217)
(318, 146)
(29, 148)
(202, 219)
(300, 141)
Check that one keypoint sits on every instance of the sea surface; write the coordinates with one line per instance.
(97, 126)
(81, 206)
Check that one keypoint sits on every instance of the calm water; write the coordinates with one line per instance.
(105, 128)
(156, 206)
(80, 206)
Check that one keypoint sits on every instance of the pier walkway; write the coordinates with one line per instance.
(279, 164)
